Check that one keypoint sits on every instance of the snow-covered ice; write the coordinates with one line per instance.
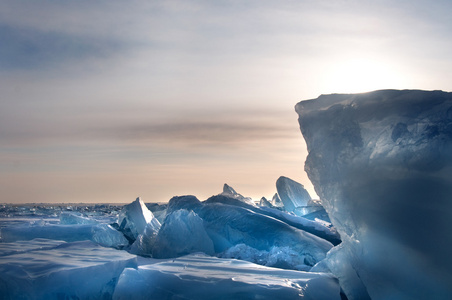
(381, 163)
(198, 276)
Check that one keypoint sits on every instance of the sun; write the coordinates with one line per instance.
(357, 75)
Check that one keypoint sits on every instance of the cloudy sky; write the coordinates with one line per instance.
(104, 101)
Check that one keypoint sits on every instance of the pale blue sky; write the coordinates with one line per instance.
(109, 100)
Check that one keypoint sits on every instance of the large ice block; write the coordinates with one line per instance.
(381, 163)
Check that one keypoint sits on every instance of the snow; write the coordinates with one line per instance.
(198, 276)
(381, 163)
(50, 269)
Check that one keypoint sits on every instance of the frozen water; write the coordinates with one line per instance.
(230, 192)
(102, 234)
(202, 277)
(265, 202)
(382, 164)
(69, 218)
(276, 201)
(50, 269)
(134, 218)
(292, 194)
(182, 233)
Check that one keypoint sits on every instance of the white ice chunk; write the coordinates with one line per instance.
(201, 277)
(59, 270)
(133, 219)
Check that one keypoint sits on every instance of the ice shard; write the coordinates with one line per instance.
(292, 194)
(381, 163)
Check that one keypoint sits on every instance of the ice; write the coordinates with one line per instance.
(265, 202)
(382, 164)
(292, 194)
(69, 218)
(182, 233)
(230, 192)
(276, 201)
(134, 218)
(50, 269)
(202, 277)
(102, 234)
(229, 222)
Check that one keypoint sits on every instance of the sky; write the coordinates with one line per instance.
(106, 101)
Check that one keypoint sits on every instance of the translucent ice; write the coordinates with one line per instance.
(230, 192)
(182, 233)
(68, 218)
(133, 219)
(49, 269)
(382, 164)
(202, 277)
(292, 194)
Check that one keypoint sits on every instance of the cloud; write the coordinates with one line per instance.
(27, 48)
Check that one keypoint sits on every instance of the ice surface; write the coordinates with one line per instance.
(292, 194)
(202, 277)
(102, 234)
(50, 269)
(134, 218)
(382, 164)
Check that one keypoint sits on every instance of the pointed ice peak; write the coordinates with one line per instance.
(292, 193)
(227, 189)
(230, 192)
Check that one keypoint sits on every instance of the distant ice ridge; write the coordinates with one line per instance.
(382, 164)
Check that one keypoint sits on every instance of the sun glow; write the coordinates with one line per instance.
(358, 75)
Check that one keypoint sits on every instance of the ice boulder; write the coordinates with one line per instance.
(292, 194)
(133, 219)
(182, 233)
(50, 269)
(202, 277)
(382, 164)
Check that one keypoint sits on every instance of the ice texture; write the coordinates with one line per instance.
(50, 269)
(382, 164)
(292, 194)
(201, 277)
(134, 218)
